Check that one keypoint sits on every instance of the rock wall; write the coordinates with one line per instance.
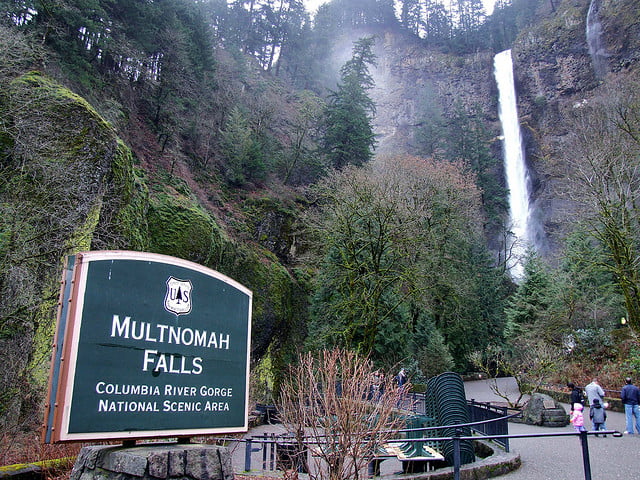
(413, 77)
(153, 462)
(69, 184)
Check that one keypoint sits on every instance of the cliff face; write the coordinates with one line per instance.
(65, 178)
(415, 81)
(435, 103)
(555, 73)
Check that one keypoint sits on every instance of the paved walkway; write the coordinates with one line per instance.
(560, 458)
(549, 458)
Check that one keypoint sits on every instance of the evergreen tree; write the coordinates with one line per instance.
(529, 307)
(430, 135)
(438, 24)
(341, 14)
(585, 304)
(509, 17)
(428, 347)
(244, 161)
(467, 139)
(410, 15)
(295, 31)
(349, 137)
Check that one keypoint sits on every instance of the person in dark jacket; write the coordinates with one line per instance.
(598, 415)
(401, 378)
(576, 395)
(630, 396)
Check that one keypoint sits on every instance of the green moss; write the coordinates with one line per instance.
(133, 198)
(60, 126)
(73, 186)
(54, 464)
(173, 181)
(43, 89)
(279, 309)
(178, 226)
(263, 380)
(46, 315)
(81, 238)
(270, 222)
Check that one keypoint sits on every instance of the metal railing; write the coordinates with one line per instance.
(490, 419)
(586, 463)
(486, 419)
(269, 445)
(272, 445)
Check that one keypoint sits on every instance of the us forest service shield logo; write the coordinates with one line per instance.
(178, 297)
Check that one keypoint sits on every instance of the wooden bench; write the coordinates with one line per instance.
(418, 458)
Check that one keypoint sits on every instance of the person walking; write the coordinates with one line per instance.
(598, 415)
(594, 392)
(576, 395)
(577, 417)
(401, 378)
(630, 396)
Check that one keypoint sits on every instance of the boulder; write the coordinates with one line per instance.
(544, 411)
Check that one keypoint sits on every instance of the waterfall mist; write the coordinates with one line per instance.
(517, 175)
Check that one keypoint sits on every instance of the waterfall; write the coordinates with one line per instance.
(594, 40)
(517, 175)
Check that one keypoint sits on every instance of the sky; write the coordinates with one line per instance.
(312, 5)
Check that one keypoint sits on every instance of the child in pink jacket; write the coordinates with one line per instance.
(577, 418)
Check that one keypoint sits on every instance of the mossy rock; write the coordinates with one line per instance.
(59, 125)
(67, 182)
(270, 221)
(180, 227)
(124, 223)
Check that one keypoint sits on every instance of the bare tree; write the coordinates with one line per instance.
(530, 365)
(342, 409)
(606, 149)
(18, 54)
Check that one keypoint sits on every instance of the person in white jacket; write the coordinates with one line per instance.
(594, 391)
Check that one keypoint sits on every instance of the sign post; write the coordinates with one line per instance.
(148, 346)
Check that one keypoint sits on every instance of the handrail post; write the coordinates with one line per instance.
(456, 455)
(247, 455)
(585, 455)
(274, 448)
(264, 452)
(374, 468)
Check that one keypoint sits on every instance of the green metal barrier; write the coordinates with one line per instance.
(446, 402)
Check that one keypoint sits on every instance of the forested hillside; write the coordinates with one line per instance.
(347, 168)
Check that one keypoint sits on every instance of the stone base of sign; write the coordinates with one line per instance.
(153, 462)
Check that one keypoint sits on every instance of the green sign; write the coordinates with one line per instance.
(156, 347)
